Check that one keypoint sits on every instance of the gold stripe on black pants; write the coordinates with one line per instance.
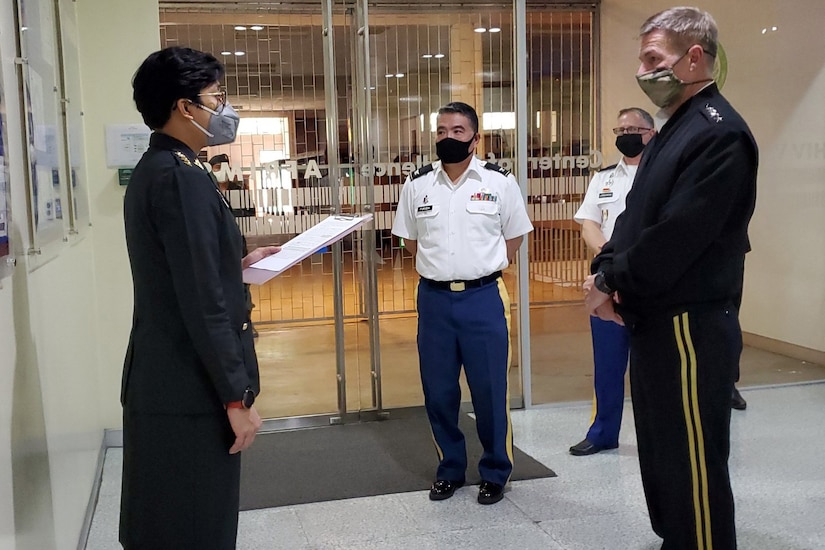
(681, 378)
(695, 436)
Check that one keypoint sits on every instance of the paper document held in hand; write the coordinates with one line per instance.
(331, 229)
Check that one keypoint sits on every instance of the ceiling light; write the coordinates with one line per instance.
(399, 75)
(427, 55)
(495, 29)
(439, 55)
(480, 29)
(240, 53)
(256, 28)
(226, 53)
(389, 75)
(240, 28)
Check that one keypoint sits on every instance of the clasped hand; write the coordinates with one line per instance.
(599, 304)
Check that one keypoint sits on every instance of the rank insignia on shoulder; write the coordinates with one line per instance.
(611, 167)
(496, 168)
(421, 171)
(713, 113)
(183, 158)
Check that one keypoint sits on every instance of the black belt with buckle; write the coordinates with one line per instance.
(459, 286)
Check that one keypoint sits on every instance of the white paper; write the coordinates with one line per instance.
(125, 144)
(331, 229)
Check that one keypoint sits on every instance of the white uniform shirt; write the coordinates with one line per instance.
(461, 228)
(605, 197)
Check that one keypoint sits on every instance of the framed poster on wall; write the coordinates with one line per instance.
(5, 203)
(43, 140)
(5, 200)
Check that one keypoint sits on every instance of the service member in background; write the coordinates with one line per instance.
(602, 204)
(190, 376)
(672, 272)
(464, 220)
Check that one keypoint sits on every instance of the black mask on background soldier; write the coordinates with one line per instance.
(630, 145)
(452, 151)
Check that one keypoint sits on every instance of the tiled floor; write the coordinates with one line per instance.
(596, 502)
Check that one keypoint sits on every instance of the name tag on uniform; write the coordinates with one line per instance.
(425, 208)
(605, 194)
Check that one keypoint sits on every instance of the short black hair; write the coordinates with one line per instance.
(461, 109)
(171, 74)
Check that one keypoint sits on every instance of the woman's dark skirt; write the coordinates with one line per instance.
(180, 484)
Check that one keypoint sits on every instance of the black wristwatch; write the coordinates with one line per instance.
(601, 284)
(246, 401)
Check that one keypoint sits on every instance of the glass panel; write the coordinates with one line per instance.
(78, 209)
(416, 68)
(563, 151)
(279, 182)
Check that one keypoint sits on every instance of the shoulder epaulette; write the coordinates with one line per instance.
(496, 168)
(421, 171)
(181, 158)
(712, 113)
(611, 167)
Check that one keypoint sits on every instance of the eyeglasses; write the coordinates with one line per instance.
(630, 130)
(220, 96)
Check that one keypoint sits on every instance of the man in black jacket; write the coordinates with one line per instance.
(190, 376)
(672, 272)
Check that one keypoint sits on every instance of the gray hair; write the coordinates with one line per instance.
(686, 26)
(641, 112)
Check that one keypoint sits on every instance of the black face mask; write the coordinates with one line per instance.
(630, 145)
(452, 151)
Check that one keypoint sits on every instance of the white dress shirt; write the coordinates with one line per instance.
(606, 195)
(461, 228)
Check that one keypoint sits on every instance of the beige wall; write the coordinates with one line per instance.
(131, 30)
(777, 82)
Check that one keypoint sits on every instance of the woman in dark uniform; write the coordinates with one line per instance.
(190, 376)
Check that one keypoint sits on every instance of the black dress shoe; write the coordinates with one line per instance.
(737, 401)
(443, 489)
(489, 492)
(585, 447)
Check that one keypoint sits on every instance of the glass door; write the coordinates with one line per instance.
(410, 59)
(337, 100)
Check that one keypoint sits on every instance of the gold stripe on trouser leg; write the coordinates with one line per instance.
(432, 435)
(505, 300)
(695, 434)
(595, 408)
